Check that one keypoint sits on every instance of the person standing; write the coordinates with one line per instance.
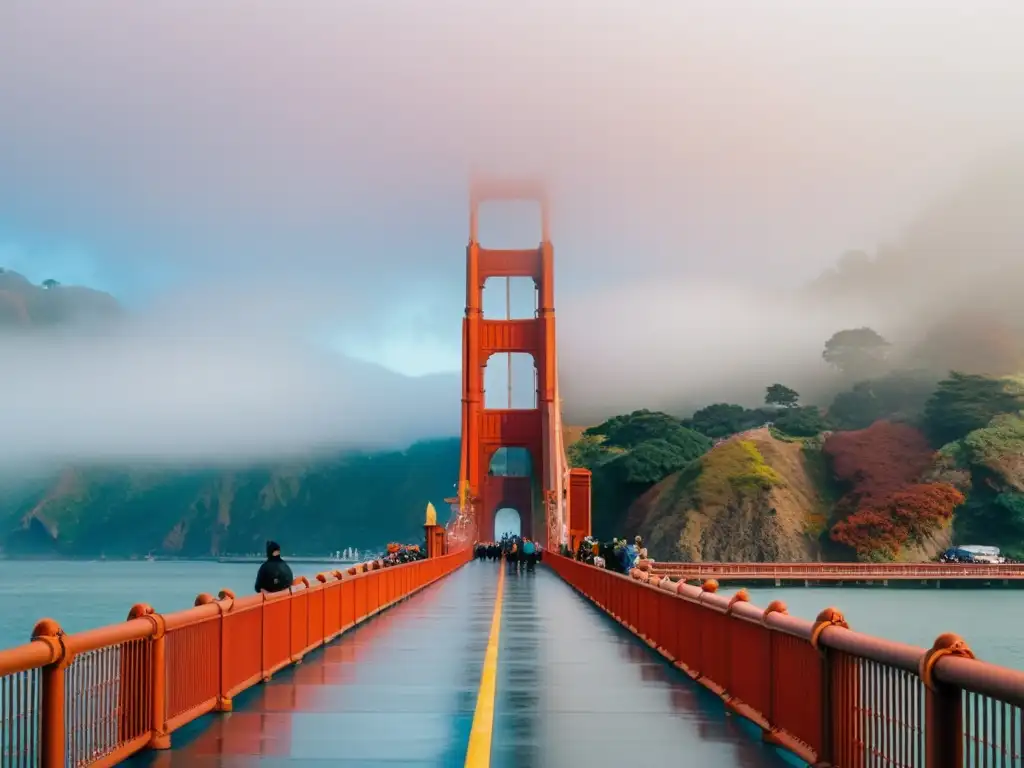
(274, 575)
(529, 553)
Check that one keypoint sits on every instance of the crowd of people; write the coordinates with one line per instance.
(517, 552)
(617, 555)
(397, 554)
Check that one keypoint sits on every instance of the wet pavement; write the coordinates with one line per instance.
(573, 688)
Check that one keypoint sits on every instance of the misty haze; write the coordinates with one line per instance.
(257, 221)
(404, 340)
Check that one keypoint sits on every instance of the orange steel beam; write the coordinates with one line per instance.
(484, 189)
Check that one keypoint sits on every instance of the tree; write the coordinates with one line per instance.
(857, 352)
(899, 396)
(725, 419)
(631, 429)
(997, 452)
(781, 395)
(650, 462)
(965, 402)
(801, 422)
(51, 283)
(589, 451)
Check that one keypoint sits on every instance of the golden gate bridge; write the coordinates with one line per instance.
(443, 661)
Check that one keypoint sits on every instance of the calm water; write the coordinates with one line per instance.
(990, 620)
(83, 595)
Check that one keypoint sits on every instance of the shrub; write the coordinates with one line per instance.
(880, 530)
(801, 422)
(877, 461)
(965, 402)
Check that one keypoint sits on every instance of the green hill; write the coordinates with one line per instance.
(353, 499)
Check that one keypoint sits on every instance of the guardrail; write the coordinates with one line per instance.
(831, 696)
(95, 698)
(840, 571)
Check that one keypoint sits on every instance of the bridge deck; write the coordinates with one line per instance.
(572, 688)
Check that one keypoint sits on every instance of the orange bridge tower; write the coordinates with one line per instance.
(542, 498)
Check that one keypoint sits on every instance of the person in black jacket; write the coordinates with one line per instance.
(274, 575)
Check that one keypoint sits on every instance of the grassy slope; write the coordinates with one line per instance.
(751, 498)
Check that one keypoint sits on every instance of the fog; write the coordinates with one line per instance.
(211, 377)
(247, 178)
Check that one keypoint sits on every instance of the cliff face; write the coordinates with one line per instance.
(356, 499)
(751, 498)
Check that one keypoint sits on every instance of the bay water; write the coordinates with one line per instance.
(84, 595)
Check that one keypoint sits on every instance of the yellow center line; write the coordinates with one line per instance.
(479, 753)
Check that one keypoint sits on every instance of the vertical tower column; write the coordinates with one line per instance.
(472, 365)
(485, 430)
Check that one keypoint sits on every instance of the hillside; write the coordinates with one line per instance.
(344, 498)
(354, 499)
(900, 467)
(916, 443)
(24, 305)
(750, 498)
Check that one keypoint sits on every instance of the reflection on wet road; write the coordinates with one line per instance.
(399, 689)
(572, 688)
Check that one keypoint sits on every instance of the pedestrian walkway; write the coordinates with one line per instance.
(570, 688)
(399, 689)
(574, 688)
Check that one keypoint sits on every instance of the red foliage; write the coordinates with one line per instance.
(877, 461)
(868, 531)
(921, 509)
(908, 514)
(882, 466)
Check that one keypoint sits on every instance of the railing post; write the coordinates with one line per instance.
(158, 736)
(943, 706)
(830, 617)
(52, 731)
(223, 702)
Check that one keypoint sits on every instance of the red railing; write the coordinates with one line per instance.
(828, 694)
(839, 571)
(95, 698)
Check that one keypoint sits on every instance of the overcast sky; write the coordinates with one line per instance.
(310, 159)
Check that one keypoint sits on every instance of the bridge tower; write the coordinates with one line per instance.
(541, 499)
